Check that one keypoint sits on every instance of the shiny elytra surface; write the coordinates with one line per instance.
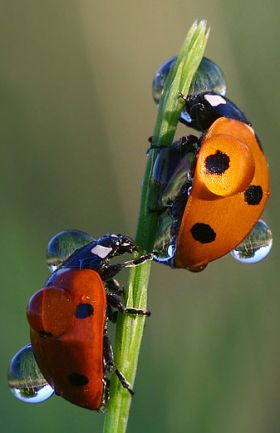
(217, 203)
(67, 320)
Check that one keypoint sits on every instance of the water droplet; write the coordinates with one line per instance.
(207, 78)
(256, 246)
(25, 379)
(160, 78)
(65, 243)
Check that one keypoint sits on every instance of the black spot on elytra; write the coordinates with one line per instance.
(217, 163)
(83, 311)
(45, 334)
(203, 233)
(77, 379)
(253, 194)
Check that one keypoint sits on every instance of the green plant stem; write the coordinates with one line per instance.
(129, 329)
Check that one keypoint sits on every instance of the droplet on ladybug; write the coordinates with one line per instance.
(256, 246)
(63, 245)
(25, 379)
(207, 78)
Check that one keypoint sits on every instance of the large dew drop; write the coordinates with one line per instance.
(208, 78)
(65, 243)
(256, 246)
(25, 379)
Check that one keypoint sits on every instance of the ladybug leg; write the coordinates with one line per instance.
(173, 169)
(182, 96)
(139, 261)
(110, 364)
(111, 314)
(107, 390)
(124, 382)
(114, 286)
(109, 271)
(108, 354)
(115, 301)
(184, 144)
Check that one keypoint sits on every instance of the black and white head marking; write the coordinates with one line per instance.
(215, 100)
(101, 251)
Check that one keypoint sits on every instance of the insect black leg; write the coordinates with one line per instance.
(106, 390)
(182, 96)
(108, 272)
(185, 143)
(110, 364)
(115, 301)
(139, 261)
(137, 311)
(123, 381)
(112, 314)
(114, 286)
(108, 354)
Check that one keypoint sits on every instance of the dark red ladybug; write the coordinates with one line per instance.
(68, 321)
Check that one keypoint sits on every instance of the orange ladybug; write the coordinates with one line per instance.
(212, 190)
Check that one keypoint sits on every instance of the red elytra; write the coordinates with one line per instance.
(223, 207)
(67, 320)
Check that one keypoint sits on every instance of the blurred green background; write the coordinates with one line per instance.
(75, 114)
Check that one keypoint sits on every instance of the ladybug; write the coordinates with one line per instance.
(212, 189)
(68, 321)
